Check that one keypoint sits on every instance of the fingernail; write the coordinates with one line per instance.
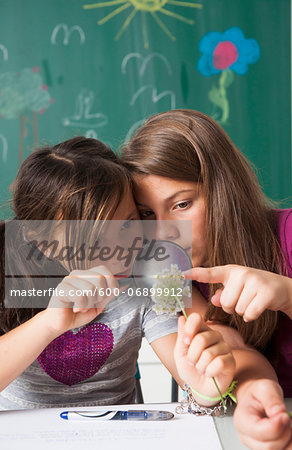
(245, 319)
(187, 272)
(187, 276)
(187, 340)
(84, 310)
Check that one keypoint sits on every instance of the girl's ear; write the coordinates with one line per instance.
(30, 237)
(27, 235)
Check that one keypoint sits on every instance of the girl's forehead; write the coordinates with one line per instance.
(126, 207)
(162, 185)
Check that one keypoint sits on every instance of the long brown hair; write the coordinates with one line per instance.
(188, 145)
(80, 179)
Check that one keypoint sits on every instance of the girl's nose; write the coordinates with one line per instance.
(166, 230)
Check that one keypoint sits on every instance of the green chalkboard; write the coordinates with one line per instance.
(99, 68)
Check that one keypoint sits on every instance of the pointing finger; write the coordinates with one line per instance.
(217, 274)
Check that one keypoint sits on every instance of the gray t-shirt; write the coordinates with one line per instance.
(93, 365)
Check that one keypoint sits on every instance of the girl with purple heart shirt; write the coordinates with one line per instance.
(69, 349)
(185, 167)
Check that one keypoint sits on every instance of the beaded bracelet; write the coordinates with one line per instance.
(189, 404)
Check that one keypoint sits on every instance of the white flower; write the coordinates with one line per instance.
(169, 291)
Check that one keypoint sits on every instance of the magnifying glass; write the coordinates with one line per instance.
(152, 259)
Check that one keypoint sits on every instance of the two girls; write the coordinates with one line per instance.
(73, 348)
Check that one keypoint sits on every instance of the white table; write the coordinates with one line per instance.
(43, 429)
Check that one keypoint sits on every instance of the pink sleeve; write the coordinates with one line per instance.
(285, 236)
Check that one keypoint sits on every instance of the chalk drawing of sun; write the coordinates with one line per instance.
(153, 7)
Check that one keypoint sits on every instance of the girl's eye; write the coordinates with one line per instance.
(126, 225)
(145, 214)
(182, 205)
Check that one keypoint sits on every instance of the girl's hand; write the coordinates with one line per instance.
(247, 291)
(200, 354)
(84, 298)
(261, 418)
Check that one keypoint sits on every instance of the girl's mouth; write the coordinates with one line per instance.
(124, 274)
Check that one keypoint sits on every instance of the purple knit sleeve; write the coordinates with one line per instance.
(285, 236)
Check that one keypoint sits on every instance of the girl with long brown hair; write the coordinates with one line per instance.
(185, 167)
(68, 335)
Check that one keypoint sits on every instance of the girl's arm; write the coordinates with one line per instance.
(22, 345)
(164, 347)
(246, 290)
(195, 355)
(260, 416)
(206, 340)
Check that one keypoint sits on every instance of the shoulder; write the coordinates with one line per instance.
(284, 219)
(157, 324)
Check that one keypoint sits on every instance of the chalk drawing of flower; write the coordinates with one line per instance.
(225, 54)
(22, 92)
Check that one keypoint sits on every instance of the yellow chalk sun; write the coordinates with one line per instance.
(152, 7)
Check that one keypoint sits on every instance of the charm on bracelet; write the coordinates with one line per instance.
(189, 405)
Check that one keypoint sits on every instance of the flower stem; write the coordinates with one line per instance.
(181, 306)
(219, 392)
(215, 382)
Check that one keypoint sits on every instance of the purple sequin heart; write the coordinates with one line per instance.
(71, 358)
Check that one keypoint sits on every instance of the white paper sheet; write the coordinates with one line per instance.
(43, 429)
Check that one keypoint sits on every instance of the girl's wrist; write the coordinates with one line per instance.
(230, 392)
(244, 386)
(219, 404)
(212, 397)
(252, 385)
(49, 332)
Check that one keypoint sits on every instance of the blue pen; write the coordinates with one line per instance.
(117, 415)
